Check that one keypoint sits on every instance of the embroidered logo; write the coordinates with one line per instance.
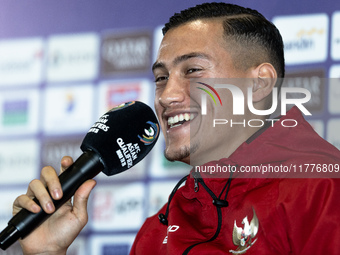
(171, 228)
(244, 237)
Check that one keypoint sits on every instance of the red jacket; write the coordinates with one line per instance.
(265, 215)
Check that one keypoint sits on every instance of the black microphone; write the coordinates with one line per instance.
(117, 141)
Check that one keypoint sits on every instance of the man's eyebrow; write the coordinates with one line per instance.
(180, 59)
(157, 65)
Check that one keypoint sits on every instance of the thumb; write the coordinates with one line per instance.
(80, 200)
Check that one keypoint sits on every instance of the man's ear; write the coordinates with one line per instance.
(264, 80)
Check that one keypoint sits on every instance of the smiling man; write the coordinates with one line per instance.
(215, 213)
(218, 213)
(212, 45)
(180, 60)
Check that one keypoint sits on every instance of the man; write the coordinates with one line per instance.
(219, 215)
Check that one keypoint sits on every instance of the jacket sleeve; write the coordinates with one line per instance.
(311, 209)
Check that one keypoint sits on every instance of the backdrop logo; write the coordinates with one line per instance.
(305, 37)
(15, 112)
(310, 32)
(126, 52)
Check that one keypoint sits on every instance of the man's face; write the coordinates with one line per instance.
(194, 50)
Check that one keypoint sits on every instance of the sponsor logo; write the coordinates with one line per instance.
(21, 61)
(69, 102)
(68, 109)
(53, 149)
(128, 52)
(118, 207)
(113, 93)
(305, 37)
(22, 158)
(72, 57)
(19, 112)
(121, 94)
(150, 134)
(170, 229)
(15, 112)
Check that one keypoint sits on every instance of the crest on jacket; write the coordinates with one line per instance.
(244, 237)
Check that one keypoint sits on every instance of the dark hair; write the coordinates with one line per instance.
(259, 39)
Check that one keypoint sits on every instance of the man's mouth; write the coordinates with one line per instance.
(179, 119)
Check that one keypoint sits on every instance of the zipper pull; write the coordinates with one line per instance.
(196, 188)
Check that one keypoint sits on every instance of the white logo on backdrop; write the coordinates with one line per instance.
(305, 37)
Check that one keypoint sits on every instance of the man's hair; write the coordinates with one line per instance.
(252, 38)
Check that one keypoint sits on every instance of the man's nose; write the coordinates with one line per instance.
(175, 91)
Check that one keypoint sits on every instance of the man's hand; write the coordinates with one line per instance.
(57, 233)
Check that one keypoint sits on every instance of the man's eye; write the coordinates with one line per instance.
(161, 78)
(192, 70)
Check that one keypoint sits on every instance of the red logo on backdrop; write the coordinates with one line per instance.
(117, 95)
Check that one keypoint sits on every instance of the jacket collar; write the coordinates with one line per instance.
(269, 144)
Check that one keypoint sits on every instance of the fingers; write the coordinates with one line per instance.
(66, 161)
(37, 189)
(49, 187)
(24, 201)
(50, 179)
(81, 198)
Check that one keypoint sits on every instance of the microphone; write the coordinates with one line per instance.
(117, 141)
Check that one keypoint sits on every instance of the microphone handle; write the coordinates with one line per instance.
(87, 166)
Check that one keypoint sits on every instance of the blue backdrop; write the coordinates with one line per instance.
(64, 63)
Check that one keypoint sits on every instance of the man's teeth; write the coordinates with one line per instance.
(179, 119)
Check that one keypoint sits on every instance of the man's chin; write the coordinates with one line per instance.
(182, 154)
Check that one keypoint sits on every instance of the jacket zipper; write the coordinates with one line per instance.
(198, 180)
(196, 188)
